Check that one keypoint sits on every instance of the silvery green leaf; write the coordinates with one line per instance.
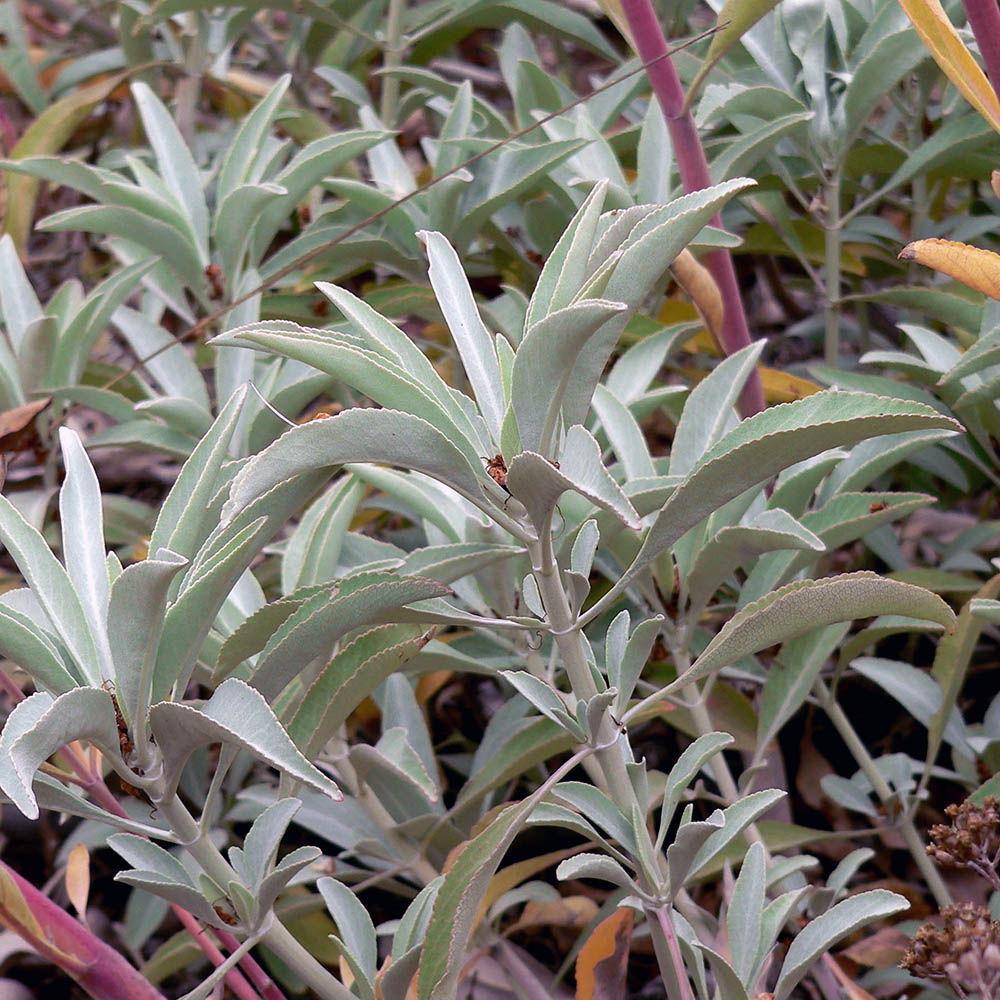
(253, 634)
(690, 762)
(450, 562)
(395, 775)
(82, 523)
(52, 587)
(284, 871)
(544, 360)
(581, 557)
(387, 340)
(190, 617)
(687, 842)
(423, 496)
(314, 548)
(565, 267)
(312, 629)
(736, 545)
(746, 910)
(310, 165)
(244, 148)
(595, 866)
(654, 151)
(636, 368)
(538, 484)
(178, 413)
(135, 621)
(352, 675)
(20, 305)
(869, 459)
(413, 924)
(737, 817)
(473, 340)
(802, 606)
(918, 692)
(729, 986)
(131, 224)
(183, 522)
(791, 676)
(847, 868)
(848, 795)
(41, 725)
(532, 598)
(29, 646)
(819, 935)
(624, 434)
(339, 354)
(795, 486)
(174, 161)
(518, 168)
(772, 440)
(592, 804)
(544, 699)
(844, 518)
(255, 859)
(232, 227)
(708, 412)
(53, 795)
(356, 933)
(624, 674)
(356, 435)
(236, 714)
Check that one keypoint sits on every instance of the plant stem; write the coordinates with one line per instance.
(664, 936)
(392, 60)
(984, 19)
(904, 824)
(651, 44)
(831, 291)
(277, 937)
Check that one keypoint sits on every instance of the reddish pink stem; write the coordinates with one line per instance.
(693, 166)
(96, 966)
(95, 786)
(984, 19)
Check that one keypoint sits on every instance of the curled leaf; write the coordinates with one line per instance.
(973, 266)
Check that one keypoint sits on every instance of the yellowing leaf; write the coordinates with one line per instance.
(78, 878)
(48, 133)
(697, 282)
(780, 387)
(603, 961)
(977, 268)
(950, 53)
(736, 17)
(513, 875)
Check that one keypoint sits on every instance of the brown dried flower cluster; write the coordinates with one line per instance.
(972, 840)
(965, 951)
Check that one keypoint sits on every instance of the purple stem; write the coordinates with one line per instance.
(984, 19)
(96, 966)
(652, 45)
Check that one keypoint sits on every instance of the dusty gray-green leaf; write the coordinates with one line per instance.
(773, 440)
(385, 437)
(52, 586)
(544, 362)
(538, 484)
(473, 340)
(809, 604)
(236, 714)
(823, 932)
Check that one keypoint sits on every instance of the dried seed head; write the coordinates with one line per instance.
(972, 840)
(964, 950)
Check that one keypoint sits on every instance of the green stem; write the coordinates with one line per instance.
(904, 824)
(831, 305)
(277, 937)
(392, 60)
